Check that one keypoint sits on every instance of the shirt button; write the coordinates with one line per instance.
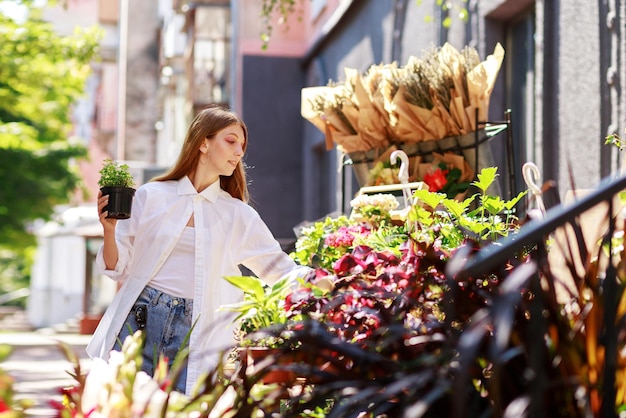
(175, 302)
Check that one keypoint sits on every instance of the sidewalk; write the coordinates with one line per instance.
(39, 366)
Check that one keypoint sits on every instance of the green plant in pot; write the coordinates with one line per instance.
(117, 182)
(260, 312)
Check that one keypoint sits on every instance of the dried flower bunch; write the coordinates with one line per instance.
(338, 104)
(429, 98)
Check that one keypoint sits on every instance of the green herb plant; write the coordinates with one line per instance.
(262, 306)
(453, 221)
(115, 174)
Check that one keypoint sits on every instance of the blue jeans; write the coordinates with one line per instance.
(166, 321)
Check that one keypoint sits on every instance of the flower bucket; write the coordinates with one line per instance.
(120, 201)
(257, 358)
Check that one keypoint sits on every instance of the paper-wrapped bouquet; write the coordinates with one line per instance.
(431, 104)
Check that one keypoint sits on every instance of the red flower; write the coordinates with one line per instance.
(436, 180)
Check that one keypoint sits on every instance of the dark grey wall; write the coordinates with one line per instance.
(271, 110)
(296, 179)
(361, 38)
(574, 96)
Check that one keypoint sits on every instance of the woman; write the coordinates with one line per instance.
(188, 229)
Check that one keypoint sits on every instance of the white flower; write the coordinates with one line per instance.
(148, 398)
(101, 377)
(385, 202)
(223, 403)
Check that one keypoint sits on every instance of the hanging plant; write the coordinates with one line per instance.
(275, 11)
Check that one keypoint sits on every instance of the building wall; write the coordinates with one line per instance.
(271, 110)
(361, 38)
(573, 99)
(140, 75)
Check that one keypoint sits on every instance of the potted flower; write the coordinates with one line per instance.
(117, 182)
(262, 307)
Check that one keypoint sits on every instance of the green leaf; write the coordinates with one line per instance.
(421, 215)
(249, 284)
(243, 306)
(493, 204)
(5, 351)
(485, 178)
(511, 203)
(473, 225)
(42, 75)
(280, 285)
(457, 208)
(429, 198)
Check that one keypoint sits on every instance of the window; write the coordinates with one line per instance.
(520, 87)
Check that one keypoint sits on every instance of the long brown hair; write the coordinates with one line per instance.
(207, 123)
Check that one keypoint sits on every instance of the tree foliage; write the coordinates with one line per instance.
(42, 74)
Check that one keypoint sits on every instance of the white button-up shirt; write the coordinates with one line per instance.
(229, 233)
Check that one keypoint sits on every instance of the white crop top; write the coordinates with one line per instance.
(176, 275)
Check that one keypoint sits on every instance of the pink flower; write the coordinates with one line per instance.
(344, 236)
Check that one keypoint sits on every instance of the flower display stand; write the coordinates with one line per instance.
(474, 147)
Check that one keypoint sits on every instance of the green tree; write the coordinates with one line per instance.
(42, 74)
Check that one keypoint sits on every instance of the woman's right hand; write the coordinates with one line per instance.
(109, 252)
(107, 223)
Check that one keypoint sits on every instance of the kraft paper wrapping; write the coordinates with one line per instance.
(412, 121)
(306, 107)
(457, 112)
(480, 82)
(370, 112)
(455, 63)
(373, 123)
(349, 143)
(451, 126)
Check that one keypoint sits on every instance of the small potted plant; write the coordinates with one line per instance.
(262, 307)
(117, 182)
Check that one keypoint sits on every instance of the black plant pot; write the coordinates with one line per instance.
(120, 201)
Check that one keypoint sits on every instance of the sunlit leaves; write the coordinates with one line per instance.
(42, 75)
(485, 178)
(482, 214)
(430, 199)
(450, 10)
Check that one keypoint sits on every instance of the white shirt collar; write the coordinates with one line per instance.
(186, 187)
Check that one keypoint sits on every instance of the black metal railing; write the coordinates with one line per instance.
(534, 234)
(537, 230)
